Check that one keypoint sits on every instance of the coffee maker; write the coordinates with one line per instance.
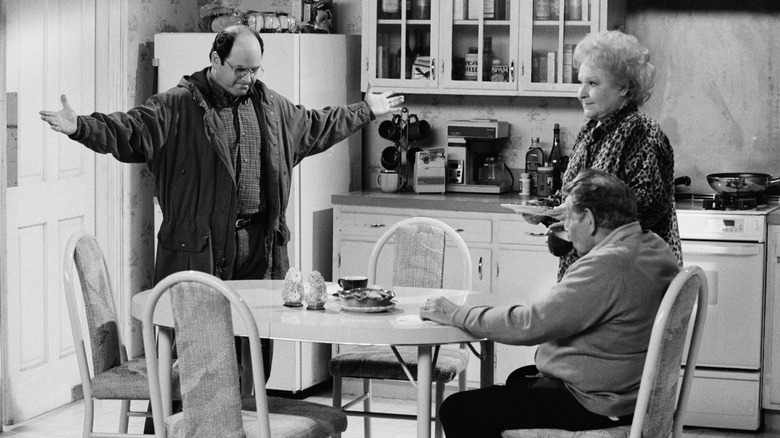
(473, 162)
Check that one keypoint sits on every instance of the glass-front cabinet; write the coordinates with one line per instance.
(490, 47)
(404, 40)
(553, 28)
(479, 45)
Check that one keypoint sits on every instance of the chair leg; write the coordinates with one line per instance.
(124, 418)
(367, 408)
(89, 415)
(247, 381)
(439, 432)
(337, 396)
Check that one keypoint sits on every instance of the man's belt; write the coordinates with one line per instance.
(244, 221)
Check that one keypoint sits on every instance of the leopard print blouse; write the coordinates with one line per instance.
(631, 146)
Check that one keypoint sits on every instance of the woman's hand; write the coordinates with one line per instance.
(558, 214)
(438, 310)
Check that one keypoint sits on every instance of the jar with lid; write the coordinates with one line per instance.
(544, 181)
(471, 73)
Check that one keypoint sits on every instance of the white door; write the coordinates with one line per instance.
(50, 51)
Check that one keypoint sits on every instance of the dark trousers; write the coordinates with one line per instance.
(251, 264)
(527, 401)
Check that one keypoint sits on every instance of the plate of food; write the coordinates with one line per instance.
(366, 300)
(535, 210)
(376, 309)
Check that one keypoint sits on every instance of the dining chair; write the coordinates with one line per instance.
(113, 376)
(419, 250)
(212, 405)
(659, 410)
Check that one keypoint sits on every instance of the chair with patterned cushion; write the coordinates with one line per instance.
(659, 410)
(114, 376)
(419, 250)
(205, 343)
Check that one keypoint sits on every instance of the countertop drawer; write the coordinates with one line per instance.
(520, 232)
(471, 230)
(367, 224)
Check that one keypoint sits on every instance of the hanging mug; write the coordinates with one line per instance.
(390, 181)
(416, 129)
(391, 129)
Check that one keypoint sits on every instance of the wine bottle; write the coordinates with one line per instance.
(534, 159)
(556, 160)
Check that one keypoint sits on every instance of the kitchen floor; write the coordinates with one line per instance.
(66, 422)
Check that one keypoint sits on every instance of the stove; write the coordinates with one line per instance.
(726, 237)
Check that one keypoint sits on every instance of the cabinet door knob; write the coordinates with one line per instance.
(530, 233)
(433, 69)
(375, 225)
(479, 268)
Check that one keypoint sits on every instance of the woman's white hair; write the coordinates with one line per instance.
(621, 55)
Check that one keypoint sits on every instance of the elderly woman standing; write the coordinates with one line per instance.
(616, 77)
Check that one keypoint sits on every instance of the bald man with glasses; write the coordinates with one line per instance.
(221, 147)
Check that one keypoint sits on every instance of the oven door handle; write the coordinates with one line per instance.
(736, 250)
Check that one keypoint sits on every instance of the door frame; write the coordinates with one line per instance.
(111, 53)
(3, 220)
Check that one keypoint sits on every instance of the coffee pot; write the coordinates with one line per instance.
(492, 172)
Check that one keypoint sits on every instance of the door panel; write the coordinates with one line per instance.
(50, 51)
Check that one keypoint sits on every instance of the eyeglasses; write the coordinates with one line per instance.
(239, 72)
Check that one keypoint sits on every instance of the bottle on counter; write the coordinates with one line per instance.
(534, 159)
(525, 184)
(556, 159)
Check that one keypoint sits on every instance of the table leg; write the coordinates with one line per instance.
(165, 361)
(486, 375)
(424, 377)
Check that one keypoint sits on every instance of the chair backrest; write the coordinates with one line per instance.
(84, 265)
(201, 305)
(656, 412)
(419, 253)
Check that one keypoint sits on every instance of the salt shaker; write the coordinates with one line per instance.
(292, 288)
(315, 293)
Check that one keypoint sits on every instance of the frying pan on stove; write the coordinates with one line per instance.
(741, 183)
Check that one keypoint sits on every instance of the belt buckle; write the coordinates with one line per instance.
(241, 223)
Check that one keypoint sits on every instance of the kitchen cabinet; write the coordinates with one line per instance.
(460, 39)
(509, 255)
(771, 364)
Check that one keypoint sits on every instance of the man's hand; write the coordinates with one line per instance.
(63, 121)
(381, 104)
(438, 310)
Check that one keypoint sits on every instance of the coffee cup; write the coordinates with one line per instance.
(558, 240)
(353, 281)
(390, 181)
(416, 129)
(391, 158)
(391, 129)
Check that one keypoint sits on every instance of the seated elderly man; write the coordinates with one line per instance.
(592, 328)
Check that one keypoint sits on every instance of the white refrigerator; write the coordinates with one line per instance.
(313, 70)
